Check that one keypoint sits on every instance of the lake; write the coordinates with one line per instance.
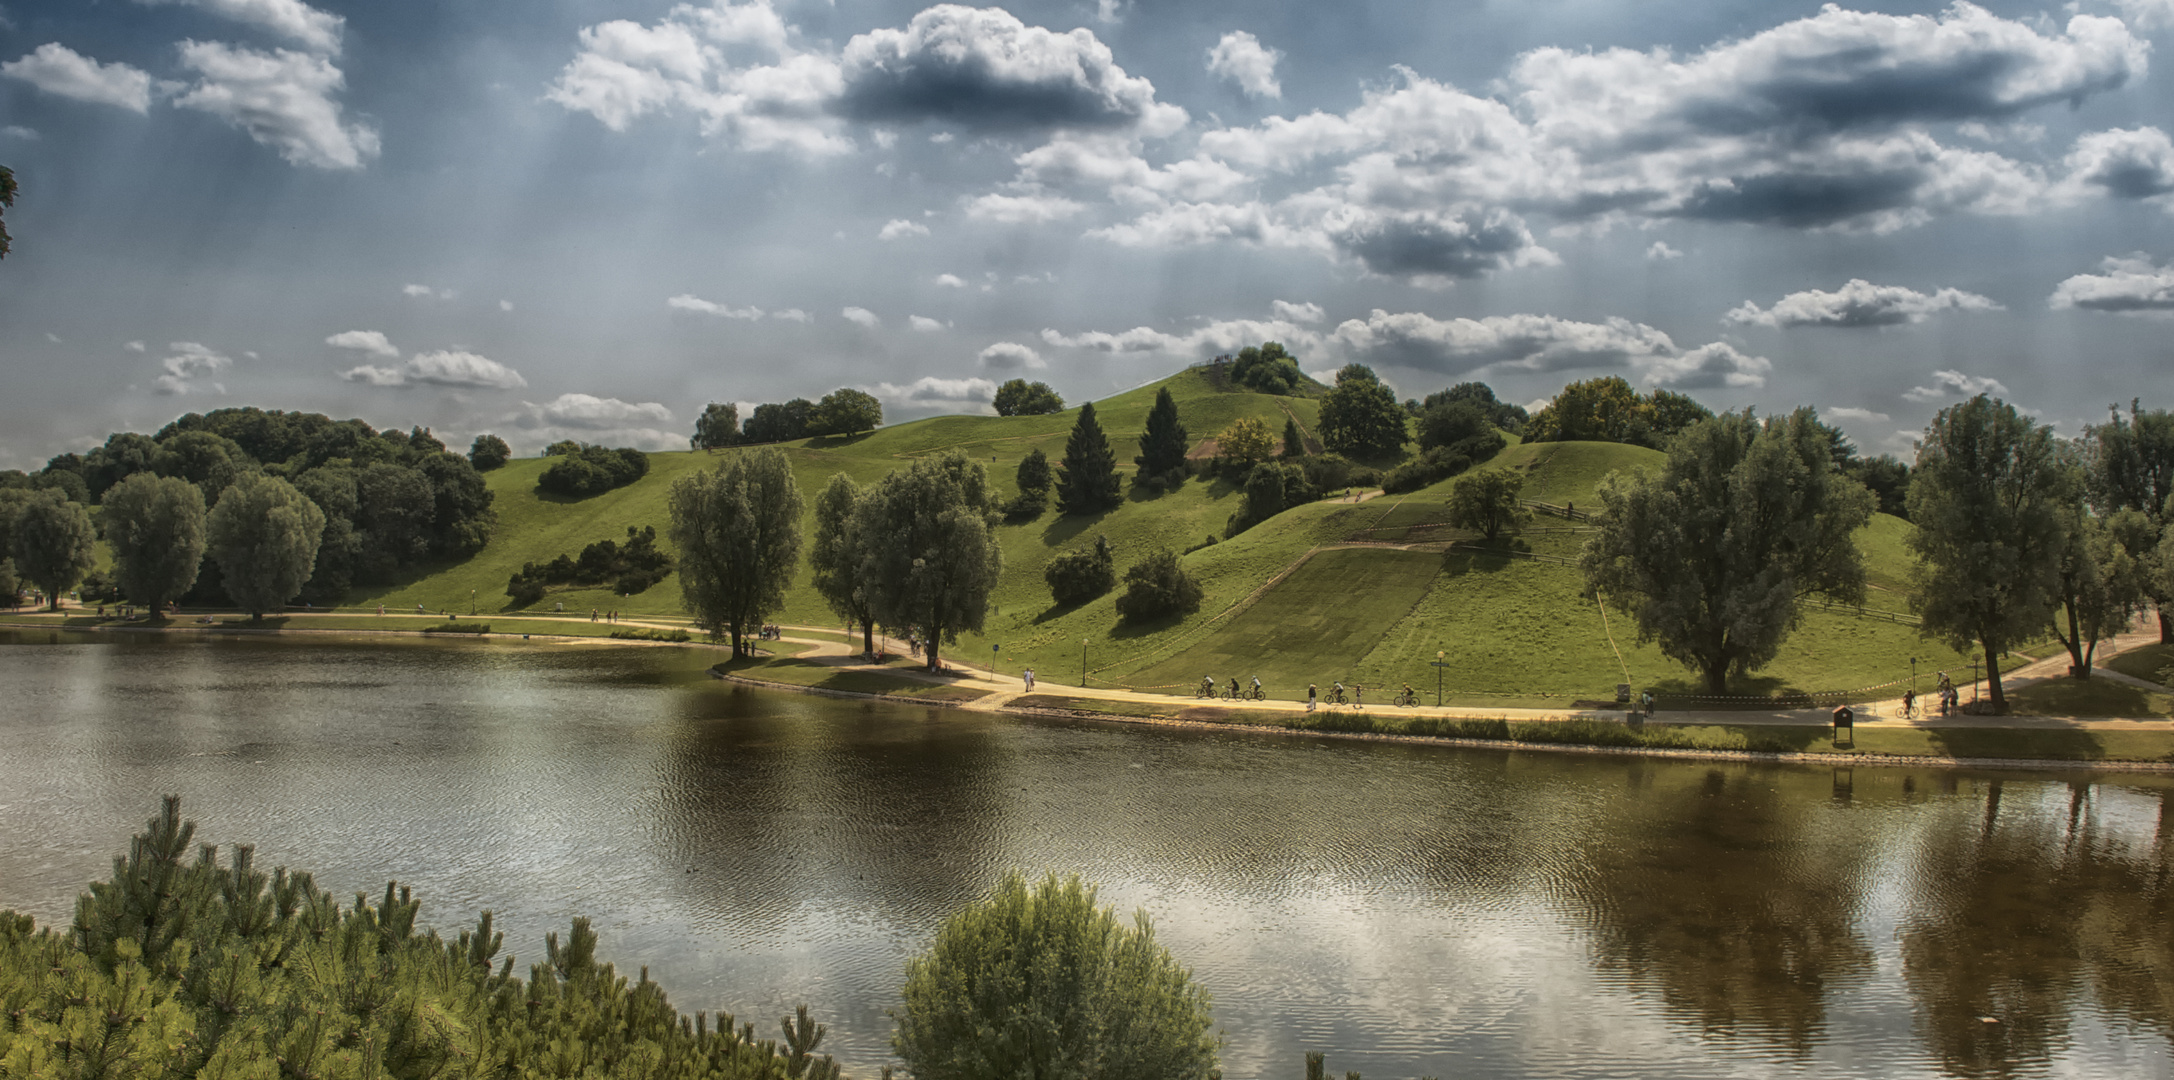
(1411, 910)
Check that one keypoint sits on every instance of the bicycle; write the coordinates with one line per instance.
(1405, 699)
(1336, 696)
(1257, 694)
(1206, 690)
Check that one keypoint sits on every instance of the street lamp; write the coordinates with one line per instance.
(1439, 663)
(471, 601)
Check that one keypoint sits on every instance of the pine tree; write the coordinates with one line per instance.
(1087, 478)
(1164, 446)
(1294, 444)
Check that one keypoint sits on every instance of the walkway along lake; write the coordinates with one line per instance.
(1409, 909)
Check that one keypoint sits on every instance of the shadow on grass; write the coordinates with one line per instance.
(2012, 743)
(1127, 629)
(835, 442)
(1068, 527)
(1057, 611)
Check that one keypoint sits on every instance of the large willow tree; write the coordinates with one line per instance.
(1712, 556)
(264, 536)
(737, 529)
(156, 526)
(930, 559)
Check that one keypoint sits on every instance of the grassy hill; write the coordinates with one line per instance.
(1357, 591)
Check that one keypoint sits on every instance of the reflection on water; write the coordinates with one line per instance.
(1411, 910)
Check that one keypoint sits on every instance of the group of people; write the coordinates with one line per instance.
(770, 632)
(1944, 693)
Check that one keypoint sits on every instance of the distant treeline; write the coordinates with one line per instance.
(845, 411)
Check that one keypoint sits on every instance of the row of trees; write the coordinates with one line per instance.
(844, 411)
(2017, 531)
(581, 469)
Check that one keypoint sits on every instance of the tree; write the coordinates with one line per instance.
(2132, 468)
(156, 527)
(1087, 477)
(845, 411)
(717, 427)
(1034, 481)
(53, 542)
(838, 553)
(1079, 576)
(1712, 556)
(7, 199)
(1361, 417)
(1887, 477)
(737, 529)
(1268, 369)
(1294, 443)
(1501, 414)
(489, 452)
(1164, 445)
(1986, 496)
(1446, 423)
(932, 560)
(778, 423)
(264, 534)
(1018, 397)
(1041, 982)
(1488, 502)
(1157, 586)
(1245, 442)
(2098, 584)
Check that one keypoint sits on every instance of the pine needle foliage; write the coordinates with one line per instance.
(1087, 478)
(187, 967)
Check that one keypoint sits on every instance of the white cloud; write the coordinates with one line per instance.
(925, 324)
(1011, 356)
(1857, 304)
(2125, 163)
(18, 131)
(1660, 251)
(365, 341)
(898, 227)
(505, 305)
(689, 302)
(1023, 209)
(1224, 336)
(446, 367)
(932, 394)
(187, 365)
(1856, 415)
(792, 314)
(950, 281)
(1711, 366)
(60, 70)
(52, 337)
(1949, 384)
(862, 316)
(290, 19)
(1240, 58)
(2145, 14)
(2131, 285)
(605, 420)
(425, 292)
(1307, 312)
(282, 98)
(1527, 342)
(134, 346)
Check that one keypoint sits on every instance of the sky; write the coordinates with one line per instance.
(582, 219)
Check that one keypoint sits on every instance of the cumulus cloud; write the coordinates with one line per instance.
(861, 315)
(925, 324)
(1240, 57)
(950, 281)
(1299, 313)
(1440, 247)
(291, 19)
(425, 292)
(282, 98)
(1856, 415)
(933, 394)
(505, 305)
(1011, 356)
(1857, 304)
(2129, 164)
(448, 367)
(1948, 385)
(187, 365)
(2132, 284)
(899, 227)
(1022, 209)
(1661, 251)
(18, 131)
(982, 68)
(1223, 336)
(372, 342)
(689, 302)
(1711, 366)
(792, 314)
(1527, 342)
(135, 346)
(607, 420)
(60, 70)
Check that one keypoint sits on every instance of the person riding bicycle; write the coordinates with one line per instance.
(1207, 686)
(1256, 688)
(1409, 698)
(1234, 688)
(1336, 693)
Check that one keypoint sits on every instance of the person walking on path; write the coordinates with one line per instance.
(1909, 704)
(1029, 676)
(1313, 696)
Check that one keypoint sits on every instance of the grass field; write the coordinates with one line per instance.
(2090, 697)
(1516, 631)
(2149, 663)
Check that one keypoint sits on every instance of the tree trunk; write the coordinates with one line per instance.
(1992, 678)
(868, 637)
(2166, 628)
(1716, 674)
(2079, 665)
(934, 632)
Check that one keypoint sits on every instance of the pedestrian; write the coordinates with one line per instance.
(1030, 680)
(1909, 704)
(1646, 698)
(1313, 696)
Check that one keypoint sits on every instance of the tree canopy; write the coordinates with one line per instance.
(839, 553)
(1158, 586)
(1712, 556)
(1361, 417)
(737, 528)
(52, 541)
(1268, 368)
(1606, 409)
(1087, 477)
(156, 526)
(1018, 397)
(1987, 497)
(1489, 502)
(1245, 442)
(717, 427)
(845, 411)
(2131, 467)
(1164, 445)
(264, 534)
(932, 559)
(489, 452)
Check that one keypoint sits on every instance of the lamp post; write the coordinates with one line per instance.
(1439, 663)
(1083, 663)
(471, 601)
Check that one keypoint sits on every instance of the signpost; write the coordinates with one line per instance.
(1439, 664)
(992, 659)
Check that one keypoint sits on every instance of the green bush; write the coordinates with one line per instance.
(182, 967)
(1078, 576)
(1157, 586)
(644, 633)
(1041, 982)
(592, 470)
(1442, 462)
(458, 627)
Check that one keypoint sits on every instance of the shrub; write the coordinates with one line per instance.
(593, 470)
(1271, 488)
(1039, 981)
(459, 627)
(643, 633)
(1158, 586)
(1078, 576)
(489, 452)
(630, 567)
(1442, 462)
(1207, 541)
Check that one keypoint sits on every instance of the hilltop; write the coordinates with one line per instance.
(1363, 591)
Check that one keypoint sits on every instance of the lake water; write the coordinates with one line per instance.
(1408, 909)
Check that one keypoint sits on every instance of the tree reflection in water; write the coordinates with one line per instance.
(2022, 911)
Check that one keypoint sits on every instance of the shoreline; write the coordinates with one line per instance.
(1007, 707)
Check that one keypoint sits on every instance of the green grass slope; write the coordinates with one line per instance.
(1514, 627)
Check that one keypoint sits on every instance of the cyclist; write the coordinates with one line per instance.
(1257, 694)
(1234, 688)
(1207, 686)
(1336, 693)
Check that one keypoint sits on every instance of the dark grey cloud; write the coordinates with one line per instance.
(2129, 164)
(1426, 245)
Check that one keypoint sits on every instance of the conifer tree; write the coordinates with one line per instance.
(1294, 444)
(1163, 447)
(1087, 478)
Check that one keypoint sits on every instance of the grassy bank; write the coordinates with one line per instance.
(794, 671)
